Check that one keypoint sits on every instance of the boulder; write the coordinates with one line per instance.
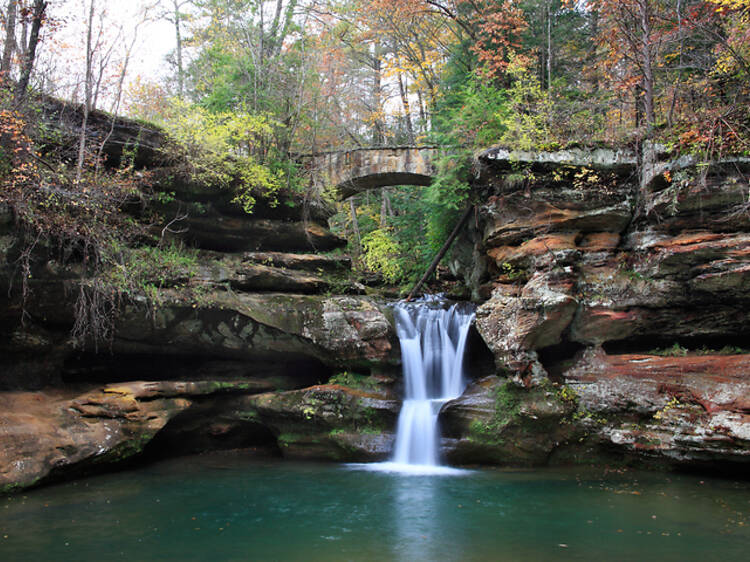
(513, 323)
(685, 409)
(332, 422)
(496, 421)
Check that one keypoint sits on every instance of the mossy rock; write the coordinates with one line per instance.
(499, 422)
(337, 445)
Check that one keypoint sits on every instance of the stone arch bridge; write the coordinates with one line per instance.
(357, 170)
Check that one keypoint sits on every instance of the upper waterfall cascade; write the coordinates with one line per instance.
(433, 341)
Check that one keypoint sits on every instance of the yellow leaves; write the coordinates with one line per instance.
(220, 133)
(375, 117)
(381, 253)
(431, 63)
(731, 4)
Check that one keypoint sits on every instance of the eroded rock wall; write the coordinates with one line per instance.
(617, 323)
(618, 317)
(262, 340)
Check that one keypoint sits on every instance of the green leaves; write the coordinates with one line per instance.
(381, 253)
(228, 149)
(468, 116)
(527, 116)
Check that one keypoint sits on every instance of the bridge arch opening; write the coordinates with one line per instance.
(359, 184)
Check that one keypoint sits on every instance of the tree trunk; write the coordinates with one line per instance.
(638, 106)
(355, 223)
(549, 44)
(675, 92)
(36, 23)
(390, 208)
(87, 86)
(10, 38)
(288, 19)
(378, 137)
(384, 207)
(178, 52)
(118, 98)
(23, 48)
(276, 19)
(407, 108)
(648, 74)
(444, 250)
(422, 112)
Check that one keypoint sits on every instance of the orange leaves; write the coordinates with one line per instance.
(499, 26)
(15, 151)
(692, 137)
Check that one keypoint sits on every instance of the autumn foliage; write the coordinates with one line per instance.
(254, 84)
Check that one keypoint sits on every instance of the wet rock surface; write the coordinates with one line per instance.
(499, 422)
(686, 409)
(57, 434)
(331, 422)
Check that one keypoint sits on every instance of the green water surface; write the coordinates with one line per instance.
(230, 507)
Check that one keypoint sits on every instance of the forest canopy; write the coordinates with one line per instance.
(249, 85)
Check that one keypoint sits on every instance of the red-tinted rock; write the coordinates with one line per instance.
(527, 254)
(594, 324)
(716, 382)
(599, 241)
(692, 408)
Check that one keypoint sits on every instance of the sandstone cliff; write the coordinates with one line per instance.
(617, 334)
(613, 329)
(207, 354)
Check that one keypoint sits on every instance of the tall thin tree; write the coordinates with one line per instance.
(37, 19)
(10, 37)
(88, 90)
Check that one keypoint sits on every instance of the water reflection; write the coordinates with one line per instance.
(416, 517)
(284, 511)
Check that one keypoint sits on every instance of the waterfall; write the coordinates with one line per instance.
(433, 340)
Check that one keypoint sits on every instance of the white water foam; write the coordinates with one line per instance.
(411, 469)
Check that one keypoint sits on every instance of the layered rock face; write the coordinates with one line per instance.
(616, 317)
(236, 350)
(617, 334)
